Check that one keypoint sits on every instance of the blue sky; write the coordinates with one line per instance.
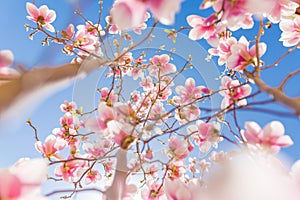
(17, 140)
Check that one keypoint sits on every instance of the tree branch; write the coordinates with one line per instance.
(277, 94)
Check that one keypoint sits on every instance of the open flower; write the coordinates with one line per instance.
(19, 183)
(241, 56)
(51, 146)
(271, 137)
(128, 14)
(233, 93)
(290, 35)
(42, 15)
(6, 59)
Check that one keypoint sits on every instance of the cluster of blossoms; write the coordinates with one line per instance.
(161, 117)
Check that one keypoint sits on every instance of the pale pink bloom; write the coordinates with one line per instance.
(235, 14)
(51, 146)
(157, 113)
(152, 171)
(187, 113)
(147, 83)
(271, 137)
(257, 177)
(85, 41)
(218, 157)
(92, 177)
(233, 93)
(69, 170)
(69, 32)
(205, 135)
(136, 72)
(143, 26)
(152, 191)
(295, 172)
(6, 59)
(176, 170)
(188, 93)
(178, 148)
(164, 10)
(67, 120)
(96, 149)
(92, 29)
(290, 27)
(126, 59)
(42, 15)
(178, 190)
(113, 29)
(193, 165)
(241, 56)
(223, 50)
(201, 28)
(282, 8)
(103, 122)
(127, 14)
(68, 107)
(204, 165)
(19, 183)
(160, 65)
(112, 98)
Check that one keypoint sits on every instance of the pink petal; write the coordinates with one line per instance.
(6, 58)
(10, 185)
(194, 20)
(44, 11)
(32, 10)
(284, 141)
(51, 16)
(273, 129)
(196, 34)
(23, 168)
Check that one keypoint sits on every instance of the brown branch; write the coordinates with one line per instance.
(290, 75)
(277, 94)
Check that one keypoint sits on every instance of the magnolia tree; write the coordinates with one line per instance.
(160, 109)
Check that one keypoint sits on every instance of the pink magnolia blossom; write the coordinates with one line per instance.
(69, 170)
(160, 65)
(68, 107)
(42, 15)
(96, 149)
(92, 29)
(282, 8)
(69, 32)
(205, 135)
(176, 170)
(178, 148)
(241, 56)
(223, 50)
(6, 59)
(128, 14)
(92, 177)
(19, 183)
(152, 191)
(233, 93)
(235, 14)
(187, 113)
(218, 157)
(270, 137)
(188, 93)
(178, 190)
(290, 27)
(51, 146)
(201, 28)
